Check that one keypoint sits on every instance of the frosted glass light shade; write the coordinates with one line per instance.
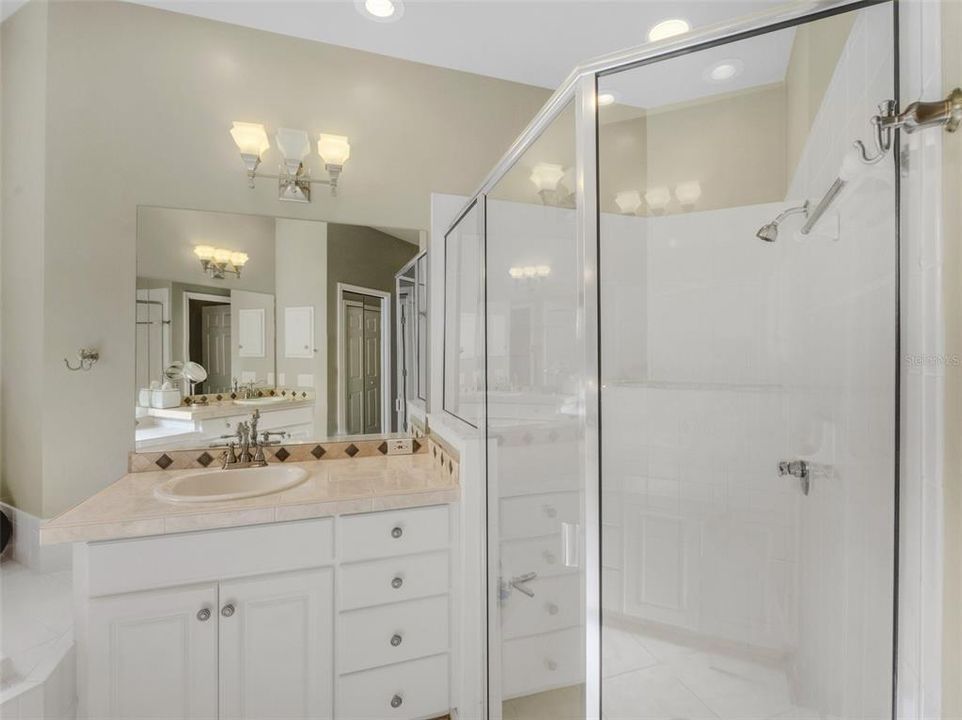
(546, 176)
(222, 256)
(333, 149)
(657, 198)
(238, 259)
(251, 138)
(688, 192)
(204, 252)
(628, 201)
(293, 144)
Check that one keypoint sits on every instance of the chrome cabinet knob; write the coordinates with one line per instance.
(227, 610)
(397, 532)
(203, 614)
(397, 582)
(396, 639)
(396, 701)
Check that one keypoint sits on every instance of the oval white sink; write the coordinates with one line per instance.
(269, 400)
(221, 485)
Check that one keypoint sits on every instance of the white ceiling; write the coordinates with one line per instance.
(530, 41)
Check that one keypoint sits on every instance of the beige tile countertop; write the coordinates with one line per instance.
(128, 508)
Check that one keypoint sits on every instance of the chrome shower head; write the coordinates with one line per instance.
(769, 232)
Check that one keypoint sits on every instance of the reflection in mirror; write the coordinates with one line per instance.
(305, 321)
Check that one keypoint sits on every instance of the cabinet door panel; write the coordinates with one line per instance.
(275, 648)
(152, 656)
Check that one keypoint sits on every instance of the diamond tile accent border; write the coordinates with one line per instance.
(292, 452)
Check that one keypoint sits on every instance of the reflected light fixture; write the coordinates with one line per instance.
(724, 70)
(605, 99)
(547, 178)
(251, 140)
(628, 201)
(668, 28)
(380, 10)
(688, 192)
(218, 262)
(657, 198)
(294, 182)
(529, 272)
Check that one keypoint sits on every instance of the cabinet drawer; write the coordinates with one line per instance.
(556, 604)
(419, 689)
(392, 633)
(543, 662)
(119, 566)
(397, 532)
(534, 515)
(393, 580)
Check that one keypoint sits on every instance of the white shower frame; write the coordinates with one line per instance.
(580, 87)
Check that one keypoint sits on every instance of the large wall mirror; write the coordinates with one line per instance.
(321, 327)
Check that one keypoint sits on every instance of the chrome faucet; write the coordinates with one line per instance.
(244, 391)
(246, 441)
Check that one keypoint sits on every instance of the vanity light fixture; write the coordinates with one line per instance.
(334, 151)
(294, 181)
(547, 178)
(628, 201)
(529, 272)
(688, 193)
(605, 99)
(218, 262)
(668, 28)
(657, 198)
(251, 139)
(724, 70)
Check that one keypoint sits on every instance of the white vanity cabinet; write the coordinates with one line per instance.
(245, 622)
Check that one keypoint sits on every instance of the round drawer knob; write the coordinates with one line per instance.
(397, 532)
(396, 639)
(203, 614)
(550, 511)
(397, 582)
(551, 664)
(396, 701)
(227, 610)
(551, 608)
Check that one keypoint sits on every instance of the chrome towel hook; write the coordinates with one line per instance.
(88, 358)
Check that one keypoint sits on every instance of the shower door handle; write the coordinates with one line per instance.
(519, 583)
(571, 544)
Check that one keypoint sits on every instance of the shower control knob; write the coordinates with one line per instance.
(397, 532)
(203, 614)
(396, 701)
(397, 582)
(227, 610)
(396, 640)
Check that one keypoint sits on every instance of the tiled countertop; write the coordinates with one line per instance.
(128, 508)
(224, 408)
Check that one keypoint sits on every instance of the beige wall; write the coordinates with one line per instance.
(952, 284)
(815, 54)
(139, 103)
(22, 170)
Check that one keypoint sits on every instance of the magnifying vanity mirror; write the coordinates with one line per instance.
(321, 327)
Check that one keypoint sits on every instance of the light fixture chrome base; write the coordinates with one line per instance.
(294, 184)
(334, 172)
(251, 162)
(218, 271)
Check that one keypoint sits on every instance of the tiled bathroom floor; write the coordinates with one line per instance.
(647, 678)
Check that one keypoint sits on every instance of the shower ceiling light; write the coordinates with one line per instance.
(380, 10)
(668, 28)
(724, 70)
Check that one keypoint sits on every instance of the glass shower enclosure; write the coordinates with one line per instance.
(675, 318)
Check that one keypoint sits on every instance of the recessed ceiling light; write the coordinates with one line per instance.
(605, 99)
(724, 70)
(381, 10)
(668, 28)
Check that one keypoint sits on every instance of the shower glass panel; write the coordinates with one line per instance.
(748, 378)
(535, 432)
